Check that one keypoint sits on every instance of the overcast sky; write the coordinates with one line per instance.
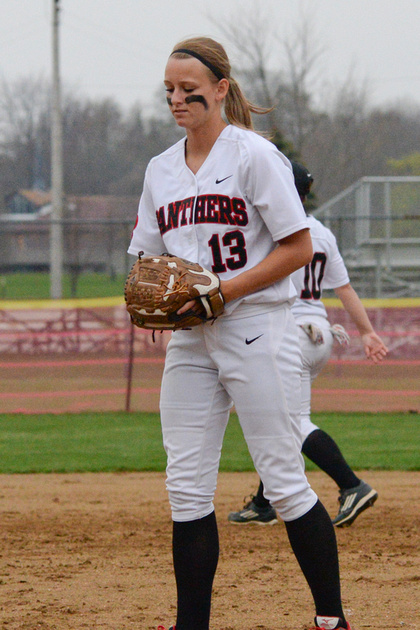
(119, 48)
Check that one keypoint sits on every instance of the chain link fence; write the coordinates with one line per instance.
(376, 222)
(377, 225)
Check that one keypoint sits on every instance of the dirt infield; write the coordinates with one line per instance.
(93, 551)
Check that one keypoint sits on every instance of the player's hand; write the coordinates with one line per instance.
(375, 349)
(192, 304)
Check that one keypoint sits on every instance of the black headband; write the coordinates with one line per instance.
(207, 63)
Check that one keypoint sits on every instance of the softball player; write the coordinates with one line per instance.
(224, 197)
(326, 271)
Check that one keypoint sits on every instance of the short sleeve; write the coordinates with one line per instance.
(336, 274)
(273, 192)
(146, 236)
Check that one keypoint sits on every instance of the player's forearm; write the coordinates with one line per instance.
(293, 252)
(354, 308)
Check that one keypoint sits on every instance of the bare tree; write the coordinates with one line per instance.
(22, 105)
(255, 52)
(303, 53)
(333, 130)
(338, 147)
(279, 71)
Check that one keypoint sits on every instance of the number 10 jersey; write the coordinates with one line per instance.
(326, 271)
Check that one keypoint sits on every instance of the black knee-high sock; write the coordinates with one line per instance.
(259, 498)
(313, 541)
(195, 554)
(324, 452)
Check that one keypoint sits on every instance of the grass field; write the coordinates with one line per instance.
(36, 286)
(118, 441)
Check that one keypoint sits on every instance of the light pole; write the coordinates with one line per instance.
(56, 229)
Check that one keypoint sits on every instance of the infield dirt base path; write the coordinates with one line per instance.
(93, 551)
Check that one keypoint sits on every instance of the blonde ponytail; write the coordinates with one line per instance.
(238, 109)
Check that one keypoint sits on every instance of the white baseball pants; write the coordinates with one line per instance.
(255, 362)
(314, 358)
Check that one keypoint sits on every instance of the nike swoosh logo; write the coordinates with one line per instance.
(219, 181)
(248, 341)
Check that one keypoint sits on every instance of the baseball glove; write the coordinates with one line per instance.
(157, 287)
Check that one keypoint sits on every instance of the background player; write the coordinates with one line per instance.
(224, 197)
(327, 270)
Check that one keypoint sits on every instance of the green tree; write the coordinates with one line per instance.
(408, 165)
(405, 197)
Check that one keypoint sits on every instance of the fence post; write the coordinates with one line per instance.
(130, 367)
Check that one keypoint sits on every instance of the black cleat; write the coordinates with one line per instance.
(251, 513)
(352, 503)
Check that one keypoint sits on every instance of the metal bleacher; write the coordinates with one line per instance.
(377, 225)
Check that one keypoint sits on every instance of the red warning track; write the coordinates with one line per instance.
(75, 356)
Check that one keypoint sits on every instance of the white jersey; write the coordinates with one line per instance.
(326, 271)
(228, 216)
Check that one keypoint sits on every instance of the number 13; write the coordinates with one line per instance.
(235, 241)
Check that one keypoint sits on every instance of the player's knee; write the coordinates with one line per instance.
(307, 427)
(188, 506)
(295, 506)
